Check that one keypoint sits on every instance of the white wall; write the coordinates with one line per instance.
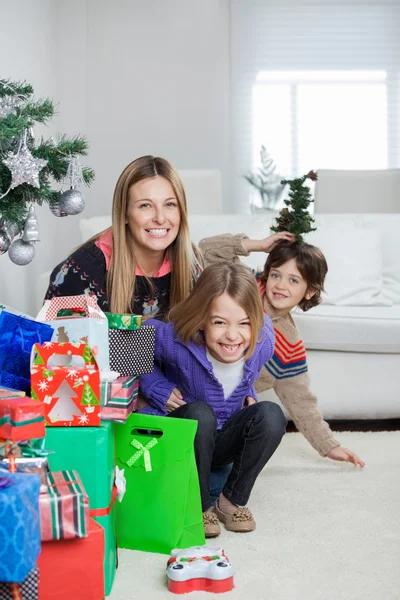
(134, 77)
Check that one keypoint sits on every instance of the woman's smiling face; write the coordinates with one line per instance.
(153, 214)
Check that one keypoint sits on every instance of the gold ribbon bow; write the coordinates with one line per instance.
(145, 450)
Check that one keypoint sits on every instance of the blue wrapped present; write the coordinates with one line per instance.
(17, 336)
(19, 525)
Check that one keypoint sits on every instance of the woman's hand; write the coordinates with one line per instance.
(174, 401)
(345, 455)
(268, 243)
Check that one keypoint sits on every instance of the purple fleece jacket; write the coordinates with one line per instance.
(186, 367)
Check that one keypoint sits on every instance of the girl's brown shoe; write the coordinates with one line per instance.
(240, 521)
(211, 524)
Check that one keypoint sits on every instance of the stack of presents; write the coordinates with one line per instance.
(81, 473)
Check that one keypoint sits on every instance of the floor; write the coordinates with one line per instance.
(325, 530)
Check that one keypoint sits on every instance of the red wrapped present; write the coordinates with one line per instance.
(65, 377)
(64, 508)
(21, 419)
(73, 569)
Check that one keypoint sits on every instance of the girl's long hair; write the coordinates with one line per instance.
(190, 316)
(186, 262)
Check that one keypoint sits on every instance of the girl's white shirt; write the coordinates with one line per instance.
(228, 374)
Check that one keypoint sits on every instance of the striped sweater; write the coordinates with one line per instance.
(286, 372)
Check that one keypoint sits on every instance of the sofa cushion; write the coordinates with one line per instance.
(354, 257)
(351, 328)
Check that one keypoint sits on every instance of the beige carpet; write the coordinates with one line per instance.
(325, 530)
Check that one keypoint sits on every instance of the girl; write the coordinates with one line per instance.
(293, 275)
(145, 261)
(212, 349)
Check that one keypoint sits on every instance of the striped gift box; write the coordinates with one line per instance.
(118, 398)
(120, 392)
(64, 508)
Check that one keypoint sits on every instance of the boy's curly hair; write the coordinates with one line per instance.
(310, 262)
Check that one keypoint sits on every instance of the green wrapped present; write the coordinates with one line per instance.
(90, 452)
(131, 322)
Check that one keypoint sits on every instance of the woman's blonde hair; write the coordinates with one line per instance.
(185, 258)
(190, 316)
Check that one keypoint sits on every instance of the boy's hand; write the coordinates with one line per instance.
(174, 401)
(268, 243)
(345, 455)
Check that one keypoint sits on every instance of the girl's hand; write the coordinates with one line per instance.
(174, 401)
(268, 243)
(248, 401)
(345, 455)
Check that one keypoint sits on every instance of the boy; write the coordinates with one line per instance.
(293, 275)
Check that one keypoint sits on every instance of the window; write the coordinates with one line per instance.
(317, 119)
(317, 82)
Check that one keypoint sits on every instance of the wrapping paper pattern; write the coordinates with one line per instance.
(17, 336)
(19, 525)
(130, 322)
(28, 589)
(21, 419)
(120, 392)
(92, 329)
(64, 508)
(132, 352)
(70, 394)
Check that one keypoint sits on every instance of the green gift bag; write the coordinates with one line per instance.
(161, 507)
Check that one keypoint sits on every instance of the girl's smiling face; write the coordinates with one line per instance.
(285, 287)
(227, 331)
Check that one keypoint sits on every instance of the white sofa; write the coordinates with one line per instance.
(354, 344)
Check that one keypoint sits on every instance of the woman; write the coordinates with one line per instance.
(145, 262)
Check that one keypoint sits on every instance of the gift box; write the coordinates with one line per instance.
(70, 394)
(64, 507)
(19, 525)
(17, 336)
(87, 323)
(32, 464)
(27, 590)
(118, 397)
(73, 569)
(6, 392)
(21, 419)
(132, 352)
(130, 322)
(90, 451)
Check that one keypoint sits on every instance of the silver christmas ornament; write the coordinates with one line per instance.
(24, 167)
(21, 253)
(31, 228)
(8, 104)
(72, 202)
(4, 241)
(56, 210)
(8, 231)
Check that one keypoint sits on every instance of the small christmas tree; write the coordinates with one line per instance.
(266, 181)
(295, 218)
(89, 398)
(29, 168)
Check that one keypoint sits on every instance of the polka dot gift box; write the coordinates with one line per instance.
(132, 352)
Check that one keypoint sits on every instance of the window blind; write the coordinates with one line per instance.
(333, 56)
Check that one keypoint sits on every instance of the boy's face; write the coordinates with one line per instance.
(285, 288)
